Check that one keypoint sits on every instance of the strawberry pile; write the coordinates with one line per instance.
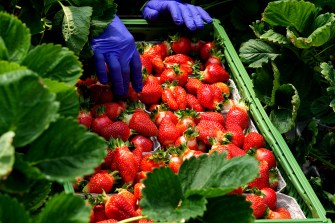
(186, 106)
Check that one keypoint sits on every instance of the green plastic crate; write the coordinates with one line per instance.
(297, 186)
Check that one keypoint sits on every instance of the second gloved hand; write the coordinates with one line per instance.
(116, 47)
(192, 16)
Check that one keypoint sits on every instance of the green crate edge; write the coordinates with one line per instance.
(273, 137)
(244, 84)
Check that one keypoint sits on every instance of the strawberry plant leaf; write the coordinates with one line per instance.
(6, 153)
(213, 175)
(11, 211)
(74, 151)
(21, 177)
(67, 96)
(37, 195)
(71, 207)
(54, 62)
(14, 38)
(76, 26)
(255, 52)
(163, 199)
(274, 37)
(290, 13)
(232, 208)
(324, 30)
(288, 102)
(37, 107)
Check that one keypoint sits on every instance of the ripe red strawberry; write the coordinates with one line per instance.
(100, 122)
(192, 102)
(132, 95)
(88, 81)
(100, 182)
(151, 161)
(85, 118)
(220, 149)
(149, 78)
(273, 178)
(235, 135)
(163, 49)
(100, 94)
(263, 178)
(237, 191)
(98, 213)
(161, 112)
(224, 88)
(264, 154)
(145, 142)
(174, 96)
(213, 73)
(253, 140)
(157, 65)
(209, 129)
(232, 149)
(117, 207)
(180, 44)
(151, 93)
(269, 197)
(213, 59)
(207, 50)
(190, 153)
(112, 110)
(192, 85)
(138, 190)
(178, 58)
(129, 196)
(126, 163)
(212, 116)
(238, 115)
(210, 97)
(257, 205)
(174, 163)
(186, 119)
(141, 122)
(279, 213)
(138, 154)
(116, 130)
(174, 73)
(189, 139)
(108, 159)
(185, 62)
(167, 133)
(196, 45)
(146, 64)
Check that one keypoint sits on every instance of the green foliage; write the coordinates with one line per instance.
(292, 60)
(70, 22)
(201, 184)
(41, 141)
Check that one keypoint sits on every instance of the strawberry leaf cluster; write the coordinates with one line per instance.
(41, 142)
(199, 184)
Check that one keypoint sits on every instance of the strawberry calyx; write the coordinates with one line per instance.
(273, 178)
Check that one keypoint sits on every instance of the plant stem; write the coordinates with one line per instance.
(322, 160)
(213, 4)
(132, 219)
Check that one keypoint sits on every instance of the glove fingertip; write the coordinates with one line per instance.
(150, 14)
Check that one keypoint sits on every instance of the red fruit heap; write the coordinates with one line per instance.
(184, 110)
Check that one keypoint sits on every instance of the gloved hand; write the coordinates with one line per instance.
(192, 16)
(117, 48)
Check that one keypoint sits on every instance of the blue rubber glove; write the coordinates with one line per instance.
(192, 16)
(116, 47)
